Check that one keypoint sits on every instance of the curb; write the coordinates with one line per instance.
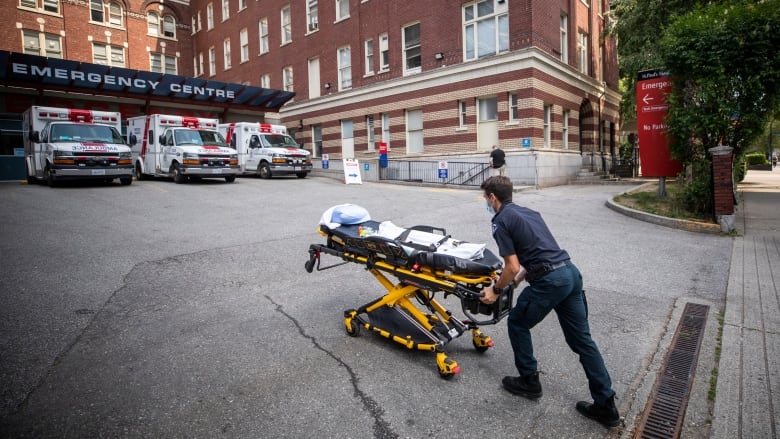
(674, 223)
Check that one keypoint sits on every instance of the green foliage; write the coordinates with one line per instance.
(740, 169)
(756, 158)
(696, 196)
(726, 75)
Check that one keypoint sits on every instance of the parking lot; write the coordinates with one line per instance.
(184, 310)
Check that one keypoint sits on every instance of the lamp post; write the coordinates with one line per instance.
(601, 129)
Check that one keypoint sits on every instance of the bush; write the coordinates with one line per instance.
(740, 169)
(756, 158)
(696, 195)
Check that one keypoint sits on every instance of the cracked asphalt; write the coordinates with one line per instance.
(165, 310)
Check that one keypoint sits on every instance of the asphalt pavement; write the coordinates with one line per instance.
(165, 310)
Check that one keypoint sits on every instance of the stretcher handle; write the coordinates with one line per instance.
(427, 229)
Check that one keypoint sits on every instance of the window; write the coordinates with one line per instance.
(287, 78)
(546, 125)
(370, 133)
(342, 9)
(564, 39)
(165, 27)
(565, 130)
(225, 9)
(152, 23)
(209, 16)
(286, 25)
(193, 26)
(52, 6)
(369, 51)
(485, 29)
(41, 44)
(96, 10)
(345, 68)
(582, 52)
(162, 63)
(488, 109)
(311, 15)
(513, 110)
(108, 55)
(462, 114)
(200, 63)
(412, 56)
(241, 5)
(169, 26)
(265, 81)
(243, 37)
(226, 53)
(314, 78)
(212, 61)
(316, 139)
(384, 53)
(414, 131)
(199, 22)
(263, 28)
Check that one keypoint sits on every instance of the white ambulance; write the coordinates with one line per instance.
(180, 147)
(67, 143)
(266, 149)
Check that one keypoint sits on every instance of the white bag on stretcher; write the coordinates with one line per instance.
(452, 247)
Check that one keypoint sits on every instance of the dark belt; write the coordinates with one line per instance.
(539, 271)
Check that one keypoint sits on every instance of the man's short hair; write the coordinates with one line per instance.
(500, 186)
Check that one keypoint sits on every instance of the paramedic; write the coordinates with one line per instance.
(530, 252)
(497, 161)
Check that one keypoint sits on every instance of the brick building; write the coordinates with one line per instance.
(432, 79)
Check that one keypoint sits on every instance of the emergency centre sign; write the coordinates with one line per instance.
(652, 89)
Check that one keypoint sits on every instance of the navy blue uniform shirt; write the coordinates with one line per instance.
(521, 231)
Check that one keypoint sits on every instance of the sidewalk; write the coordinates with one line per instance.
(747, 403)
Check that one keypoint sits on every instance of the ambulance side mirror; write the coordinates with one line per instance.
(162, 140)
(35, 136)
(133, 140)
(233, 141)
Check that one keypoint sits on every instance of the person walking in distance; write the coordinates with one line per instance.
(497, 161)
(531, 253)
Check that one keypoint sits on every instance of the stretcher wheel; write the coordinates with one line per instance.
(481, 341)
(447, 366)
(310, 265)
(353, 330)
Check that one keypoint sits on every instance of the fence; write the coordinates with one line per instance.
(457, 173)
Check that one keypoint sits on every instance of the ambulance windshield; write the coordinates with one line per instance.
(279, 140)
(199, 137)
(72, 132)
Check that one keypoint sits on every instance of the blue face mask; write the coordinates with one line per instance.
(489, 208)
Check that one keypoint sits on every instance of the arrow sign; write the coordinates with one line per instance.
(647, 99)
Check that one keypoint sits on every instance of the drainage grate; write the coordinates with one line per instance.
(664, 414)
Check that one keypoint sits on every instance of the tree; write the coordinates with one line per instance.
(725, 69)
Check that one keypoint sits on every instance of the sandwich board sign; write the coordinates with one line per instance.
(352, 172)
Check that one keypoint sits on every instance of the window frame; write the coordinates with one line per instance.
(546, 125)
(288, 80)
(109, 54)
(40, 6)
(285, 24)
(262, 30)
(344, 70)
(368, 51)
(499, 14)
(342, 10)
(384, 53)
(312, 16)
(41, 39)
(212, 61)
(243, 42)
(227, 62)
(564, 37)
(415, 48)
(210, 16)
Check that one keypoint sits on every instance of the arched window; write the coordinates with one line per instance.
(169, 26)
(153, 23)
(115, 16)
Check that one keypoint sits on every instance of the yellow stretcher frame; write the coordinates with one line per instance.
(435, 322)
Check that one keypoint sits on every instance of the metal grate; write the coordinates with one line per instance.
(665, 411)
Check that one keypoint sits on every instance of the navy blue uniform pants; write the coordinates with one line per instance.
(559, 290)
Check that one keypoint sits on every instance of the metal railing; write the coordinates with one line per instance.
(457, 173)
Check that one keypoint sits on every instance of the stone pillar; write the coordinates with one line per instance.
(723, 186)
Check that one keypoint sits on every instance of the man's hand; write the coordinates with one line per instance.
(489, 295)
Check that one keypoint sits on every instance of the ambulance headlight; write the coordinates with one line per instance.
(191, 158)
(125, 158)
(233, 159)
(279, 158)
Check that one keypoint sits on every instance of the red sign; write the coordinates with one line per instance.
(382, 148)
(652, 89)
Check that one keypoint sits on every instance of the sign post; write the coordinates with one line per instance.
(652, 89)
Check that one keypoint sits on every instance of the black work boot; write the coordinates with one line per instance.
(606, 414)
(527, 386)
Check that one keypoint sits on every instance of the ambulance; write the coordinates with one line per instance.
(66, 144)
(180, 147)
(266, 150)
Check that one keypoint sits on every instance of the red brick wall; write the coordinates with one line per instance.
(723, 184)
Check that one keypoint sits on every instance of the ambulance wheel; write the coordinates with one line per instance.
(49, 177)
(138, 174)
(230, 178)
(301, 175)
(264, 170)
(30, 178)
(126, 181)
(178, 177)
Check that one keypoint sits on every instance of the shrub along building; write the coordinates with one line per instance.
(433, 80)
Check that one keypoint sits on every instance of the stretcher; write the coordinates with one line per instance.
(408, 312)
